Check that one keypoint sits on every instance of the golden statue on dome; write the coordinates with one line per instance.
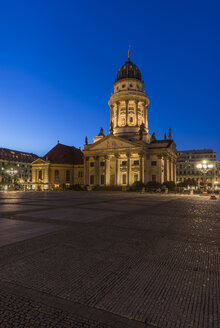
(129, 52)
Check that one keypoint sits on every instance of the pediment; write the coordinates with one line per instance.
(112, 142)
(38, 161)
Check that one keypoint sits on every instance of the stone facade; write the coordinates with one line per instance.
(129, 154)
(60, 167)
(116, 161)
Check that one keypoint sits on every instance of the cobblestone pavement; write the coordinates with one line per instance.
(106, 260)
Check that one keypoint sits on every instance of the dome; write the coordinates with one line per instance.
(128, 71)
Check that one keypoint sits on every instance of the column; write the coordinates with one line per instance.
(136, 109)
(143, 163)
(146, 117)
(86, 171)
(128, 169)
(126, 108)
(174, 171)
(171, 172)
(107, 170)
(141, 159)
(117, 170)
(33, 175)
(97, 170)
(117, 106)
(111, 113)
(144, 112)
(160, 168)
(165, 168)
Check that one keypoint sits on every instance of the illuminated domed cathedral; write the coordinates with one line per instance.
(126, 155)
(129, 153)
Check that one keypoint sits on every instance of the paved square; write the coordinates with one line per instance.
(113, 259)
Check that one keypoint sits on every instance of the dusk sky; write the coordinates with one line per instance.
(59, 60)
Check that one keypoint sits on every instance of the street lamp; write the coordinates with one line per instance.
(12, 174)
(204, 169)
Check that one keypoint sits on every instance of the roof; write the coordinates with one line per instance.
(128, 71)
(161, 144)
(62, 154)
(196, 151)
(17, 156)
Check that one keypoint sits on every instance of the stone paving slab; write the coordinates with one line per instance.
(12, 208)
(12, 231)
(76, 215)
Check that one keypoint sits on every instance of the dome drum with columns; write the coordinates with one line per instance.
(129, 103)
(128, 153)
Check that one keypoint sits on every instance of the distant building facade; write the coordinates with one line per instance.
(18, 161)
(187, 162)
(62, 166)
(129, 153)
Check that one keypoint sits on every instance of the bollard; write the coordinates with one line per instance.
(166, 191)
(142, 190)
(191, 192)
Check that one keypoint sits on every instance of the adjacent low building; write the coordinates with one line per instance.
(61, 167)
(15, 168)
(187, 169)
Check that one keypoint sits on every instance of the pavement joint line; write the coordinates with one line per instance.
(88, 312)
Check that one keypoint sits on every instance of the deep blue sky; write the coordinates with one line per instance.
(59, 59)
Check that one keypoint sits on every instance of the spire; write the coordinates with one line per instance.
(101, 133)
(129, 52)
(170, 137)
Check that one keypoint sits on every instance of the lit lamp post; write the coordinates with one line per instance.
(204, 169)
(12, 174)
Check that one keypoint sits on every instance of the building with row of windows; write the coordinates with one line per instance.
(187, 162)
(15, 168)
(62, 166)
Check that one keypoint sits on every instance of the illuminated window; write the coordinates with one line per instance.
(131, 119)
(135, 177)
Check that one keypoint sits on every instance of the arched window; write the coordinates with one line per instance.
(40, 175)
(56, 175)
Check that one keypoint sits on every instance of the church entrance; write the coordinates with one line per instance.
(112, 172)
